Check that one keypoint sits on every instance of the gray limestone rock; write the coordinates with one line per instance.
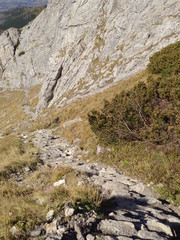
(50, 216)
(149, 235)
(117, 228)
(14, 231)
(35, 233)
(154, 225)
(143, 189)
(90, 237)
(78, 48)
(51, 227)
(69, 211)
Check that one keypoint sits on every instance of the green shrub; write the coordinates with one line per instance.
(147, 112)
(21, 53)
(167, 61)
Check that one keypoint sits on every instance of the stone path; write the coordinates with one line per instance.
(135, 211)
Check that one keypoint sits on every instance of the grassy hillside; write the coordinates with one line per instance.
(18, 17)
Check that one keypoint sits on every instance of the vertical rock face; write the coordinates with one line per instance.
(79, 47)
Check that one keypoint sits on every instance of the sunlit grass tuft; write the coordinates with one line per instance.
(14, 155)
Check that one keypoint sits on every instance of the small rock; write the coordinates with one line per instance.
(69, 211)
(68, 152)
(78, 231)
(90, 237)
(80, 183)
(27, 169)
(50, 216)
(66, 124)
(100, 150)
(40, 201)
(14, 231)
(61, 230)
(35, 233)
(111, 214)
(52, 227)
(24, 136)
(59, 183)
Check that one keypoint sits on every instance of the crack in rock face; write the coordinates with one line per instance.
(99, 43)
(132, 212)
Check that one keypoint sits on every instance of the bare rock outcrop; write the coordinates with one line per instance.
(79, 47)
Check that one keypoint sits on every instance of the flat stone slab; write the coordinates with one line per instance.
(117, 228)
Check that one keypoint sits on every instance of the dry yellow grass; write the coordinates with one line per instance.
(14, 154)
(11, 111)
(17, 207)
(32, 98)
(25, 207)
(11, 108)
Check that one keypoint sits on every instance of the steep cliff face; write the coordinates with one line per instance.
(79, 47)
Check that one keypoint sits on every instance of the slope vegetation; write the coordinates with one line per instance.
(148, 114)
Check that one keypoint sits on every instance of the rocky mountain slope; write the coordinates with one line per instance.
(78, 48)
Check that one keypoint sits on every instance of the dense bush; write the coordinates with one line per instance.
(167, 61)
(147, 112)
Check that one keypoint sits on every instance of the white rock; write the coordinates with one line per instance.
(35, 233)
(90, 237)
(61, 230)
(51, 227)
(67, 124)
(59, 183)
(14, 231)
(69, 211)
(27, 169)
(50, 216)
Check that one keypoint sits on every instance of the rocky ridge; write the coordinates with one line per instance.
(78, 48)
(134, 211)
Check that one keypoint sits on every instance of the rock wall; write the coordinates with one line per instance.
(79, 47)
